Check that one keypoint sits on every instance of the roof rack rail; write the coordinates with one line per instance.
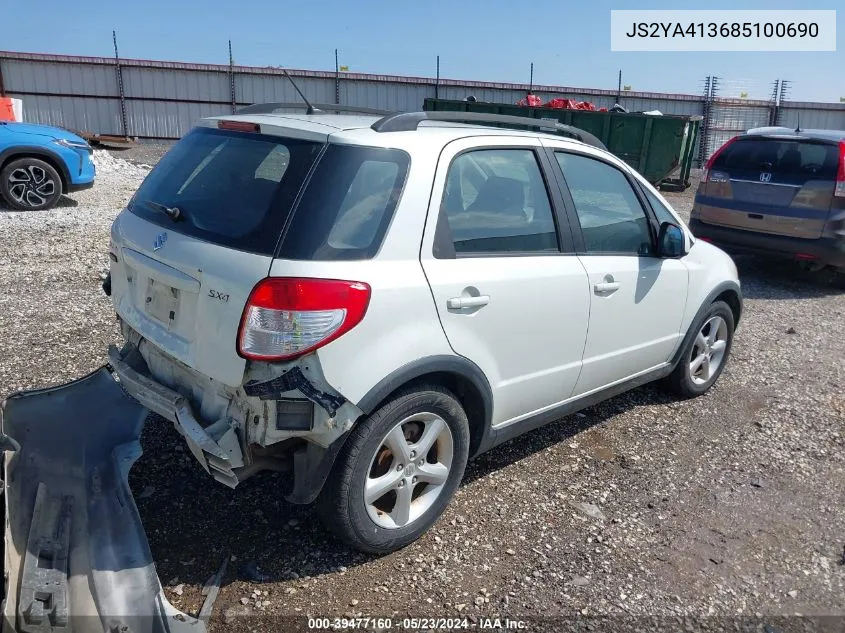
(408, 121)
(317, 108)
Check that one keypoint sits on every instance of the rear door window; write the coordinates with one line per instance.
(496, 202)
(232, 188)
(348, 204)
(791, 159)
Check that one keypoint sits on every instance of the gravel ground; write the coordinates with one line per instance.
(726, 505)
(143, 153)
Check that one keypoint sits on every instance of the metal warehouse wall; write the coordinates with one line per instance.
(812, 118)
(164, 99)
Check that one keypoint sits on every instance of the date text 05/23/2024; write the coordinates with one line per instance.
(419, 624)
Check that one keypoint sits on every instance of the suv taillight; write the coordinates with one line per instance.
(705, 177)
(839, 191)
(287, 317)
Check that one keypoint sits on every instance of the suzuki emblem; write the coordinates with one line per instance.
(765, 177)
(161, 238)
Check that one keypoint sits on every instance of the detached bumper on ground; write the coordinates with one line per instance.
(77, 558)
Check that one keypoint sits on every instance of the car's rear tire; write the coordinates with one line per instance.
(706, 353)
(30, 184)
(397, 471)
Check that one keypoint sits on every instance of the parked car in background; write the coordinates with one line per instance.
(776, 191)
(38, 163)
(368, 303)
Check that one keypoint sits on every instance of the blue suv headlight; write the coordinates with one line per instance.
(83, 145)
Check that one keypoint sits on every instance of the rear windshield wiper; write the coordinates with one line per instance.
(174, 213)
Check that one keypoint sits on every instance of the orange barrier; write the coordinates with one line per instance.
(7, 113)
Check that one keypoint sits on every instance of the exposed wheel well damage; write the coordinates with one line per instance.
(313, 465)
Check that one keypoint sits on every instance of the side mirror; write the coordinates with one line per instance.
(670, 241)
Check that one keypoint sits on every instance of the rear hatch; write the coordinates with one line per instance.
(198, 235)
(780, 185)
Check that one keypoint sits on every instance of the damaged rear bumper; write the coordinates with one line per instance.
(76, 555)
(216, 448)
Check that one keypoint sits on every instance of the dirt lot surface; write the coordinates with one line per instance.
(729, 504)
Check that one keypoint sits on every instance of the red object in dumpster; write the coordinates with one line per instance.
(531, 101)
(559, 103)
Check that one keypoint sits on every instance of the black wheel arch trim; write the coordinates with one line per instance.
(458, 365)
(725, 286)
(429, 365)
(29, 151)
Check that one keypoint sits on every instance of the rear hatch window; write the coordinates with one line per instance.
(231, 188)
(237, 190)
(790, 159)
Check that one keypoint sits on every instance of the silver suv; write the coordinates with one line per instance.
(368, 302)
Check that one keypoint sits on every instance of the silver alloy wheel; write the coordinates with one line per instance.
(708, 350)
(408, 470)
(31, 185)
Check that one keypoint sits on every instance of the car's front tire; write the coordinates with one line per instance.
(397, 471)
(30, 184)
(705, 353)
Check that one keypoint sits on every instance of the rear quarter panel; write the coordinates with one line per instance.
(401, 324)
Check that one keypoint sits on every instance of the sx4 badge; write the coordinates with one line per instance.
(214, 294)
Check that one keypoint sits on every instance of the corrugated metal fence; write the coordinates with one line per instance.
(162, 100)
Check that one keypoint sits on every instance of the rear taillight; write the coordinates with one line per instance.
(287, 317)
(839, 191)
(705, 177)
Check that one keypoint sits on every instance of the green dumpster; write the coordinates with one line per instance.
(656, 146)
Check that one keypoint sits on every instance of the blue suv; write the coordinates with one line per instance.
(38, 163)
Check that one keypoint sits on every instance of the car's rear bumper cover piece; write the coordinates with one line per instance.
(207, 449)
(77, 558)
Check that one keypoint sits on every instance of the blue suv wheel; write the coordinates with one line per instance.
(30, 184)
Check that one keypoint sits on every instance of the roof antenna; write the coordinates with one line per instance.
(311, 109)
(798, 127)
